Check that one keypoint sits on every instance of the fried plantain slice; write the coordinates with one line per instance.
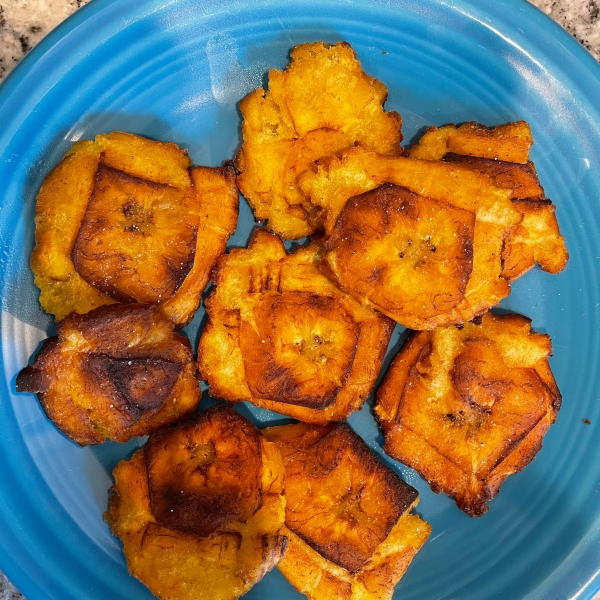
(409, 255)
(348, 517)
(282, 336)
(302, 350)
(536, 240)
(120, 248)
(320, 104)
(468, 407)
(510, 142)
(505, 158)
(358, 170)
(204, 474)
(128, 219)
(521, 179)
(117, 372)
(184, 565)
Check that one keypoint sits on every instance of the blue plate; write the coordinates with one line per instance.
(174, 70)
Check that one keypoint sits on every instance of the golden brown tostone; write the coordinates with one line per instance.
(468, 407)
(128, 219)
(282, 336)
(348, 517)
(207, 463)
(117, 372)
(320, 104)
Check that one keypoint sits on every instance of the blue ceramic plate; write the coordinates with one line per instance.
(175, 70)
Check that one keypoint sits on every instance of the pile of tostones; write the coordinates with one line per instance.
(128, 235)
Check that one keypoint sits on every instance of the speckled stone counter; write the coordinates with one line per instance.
(581, 18)
(23, 23)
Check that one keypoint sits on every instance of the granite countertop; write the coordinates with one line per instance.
(23, 23)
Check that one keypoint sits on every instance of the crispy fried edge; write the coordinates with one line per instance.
(475, 139)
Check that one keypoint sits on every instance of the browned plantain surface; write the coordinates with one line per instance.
(282, 336)
(437, 183)
(320, 104)
(502, 152)
(204, 474)
(127, 219)
(183, 565)
(521, 179)
(303, 350)
(409, 255)
(119, 371)
(468, 407)
(348, 517)
(121, 248)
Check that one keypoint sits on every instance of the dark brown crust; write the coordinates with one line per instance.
(117, 372)
(107, 327)
(34, 379)
(139, 383)
(533, 202)
(274, 547)
(113, 213)
(435, 266)
(204, 473)
(493, 418)
(267, 374)
(332, 478)
(145, 383)
(95, 372)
